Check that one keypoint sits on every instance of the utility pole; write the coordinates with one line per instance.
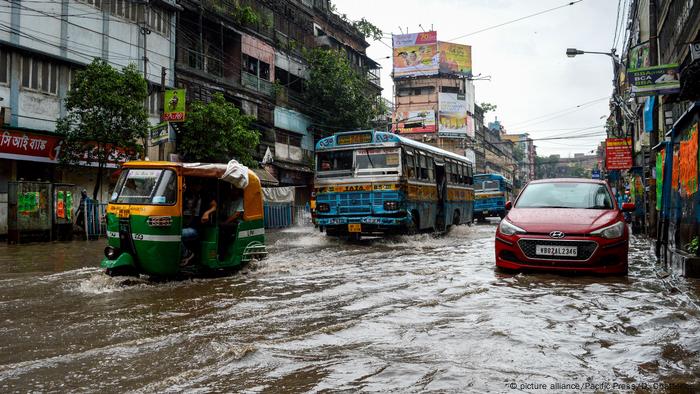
(654, 136)
(161, 107)
(145, 31)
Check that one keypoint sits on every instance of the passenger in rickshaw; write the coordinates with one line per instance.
(199, 205)
(231, 214)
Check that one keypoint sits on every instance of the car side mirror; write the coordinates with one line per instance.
(627, 206)
(509, 205)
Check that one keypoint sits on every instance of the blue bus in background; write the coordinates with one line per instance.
(491, 191)
(374, 183)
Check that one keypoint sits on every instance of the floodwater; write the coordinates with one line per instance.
(408, 314)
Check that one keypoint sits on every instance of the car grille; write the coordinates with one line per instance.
(585, 249)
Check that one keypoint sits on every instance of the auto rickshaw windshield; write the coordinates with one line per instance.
(146, 186)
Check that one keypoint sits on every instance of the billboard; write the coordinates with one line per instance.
(618, 153)
(453, 118)
(415, 54)
(650, 81)
(420, 121)
(455, 59)
(639, 56)
(174, 110)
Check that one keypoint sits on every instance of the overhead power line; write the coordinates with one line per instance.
(516, 20)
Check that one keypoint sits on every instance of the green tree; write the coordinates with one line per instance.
(488, 107)
(105, 110)
(217, 132)
(340, 97)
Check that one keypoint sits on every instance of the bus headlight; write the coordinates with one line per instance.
(323, 207)
(391, 205)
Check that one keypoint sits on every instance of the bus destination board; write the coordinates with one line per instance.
(352, 139)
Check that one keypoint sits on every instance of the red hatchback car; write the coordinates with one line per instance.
(564, 225)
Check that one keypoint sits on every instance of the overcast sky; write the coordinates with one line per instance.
(530, 74)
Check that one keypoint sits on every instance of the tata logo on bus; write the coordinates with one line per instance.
(352, 139)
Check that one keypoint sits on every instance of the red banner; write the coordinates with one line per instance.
(19, 145)
(618, 153)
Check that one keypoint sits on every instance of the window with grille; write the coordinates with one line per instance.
(40, 75)
(4, 66)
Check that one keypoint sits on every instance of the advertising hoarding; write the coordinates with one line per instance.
(453, 117)
(650, 81)
(418, 121)
(455, 59)
(618, 153)
(415, 54)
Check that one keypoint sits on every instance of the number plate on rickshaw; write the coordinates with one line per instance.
(123, 213)
(354, 228)
(566, 251)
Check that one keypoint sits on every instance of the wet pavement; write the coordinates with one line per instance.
(406, 314)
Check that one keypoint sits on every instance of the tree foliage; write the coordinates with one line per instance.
(218, 132)
(368, 29)
(105, 110)
(488, 107)
(340, 97)
(546, 167)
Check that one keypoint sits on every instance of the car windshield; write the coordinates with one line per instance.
(146, 186)
(578, 195)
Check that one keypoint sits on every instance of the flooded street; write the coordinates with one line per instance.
(407, 314)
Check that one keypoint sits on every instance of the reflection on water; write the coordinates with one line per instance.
(405, 313)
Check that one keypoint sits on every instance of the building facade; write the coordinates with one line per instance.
(42, 44)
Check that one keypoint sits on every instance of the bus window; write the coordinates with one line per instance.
(431, 169)
(410, 165)
(423, 168)
(491, 185)
(367, 159)
(339, 162)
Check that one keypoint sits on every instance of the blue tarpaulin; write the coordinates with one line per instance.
(649, 114)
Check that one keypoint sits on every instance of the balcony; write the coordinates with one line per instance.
(373, 76)
(251, 81)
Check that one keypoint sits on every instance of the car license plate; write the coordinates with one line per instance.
(355, 228)
(547, 250)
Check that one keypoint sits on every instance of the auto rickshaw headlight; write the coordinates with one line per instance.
(159, 221)
(111, 252)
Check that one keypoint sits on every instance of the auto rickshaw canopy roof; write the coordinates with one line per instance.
(252, 191)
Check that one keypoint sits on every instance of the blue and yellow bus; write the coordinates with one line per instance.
(491, 193)
(373, 183)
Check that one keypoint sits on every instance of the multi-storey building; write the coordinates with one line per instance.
(257, 63)
(42, 44)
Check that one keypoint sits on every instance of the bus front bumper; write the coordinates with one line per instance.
(369, 224)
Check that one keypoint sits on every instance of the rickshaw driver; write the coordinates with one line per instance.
(195, 203)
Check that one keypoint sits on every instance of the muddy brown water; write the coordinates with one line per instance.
(406, 314)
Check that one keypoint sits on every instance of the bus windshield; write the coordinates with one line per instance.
(377, 158)
(366, 161)
(338, 163)
(491, 185)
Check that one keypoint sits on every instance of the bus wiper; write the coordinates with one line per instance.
(368, 158)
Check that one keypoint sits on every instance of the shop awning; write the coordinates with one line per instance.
(266, 179)
(292, 167)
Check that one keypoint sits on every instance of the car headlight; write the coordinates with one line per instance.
(613, 231)
(508, 228)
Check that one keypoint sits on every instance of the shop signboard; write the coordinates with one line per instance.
(455, 59)
(651, 81)
(19, 145)
(618, 153)
(161, 134)
(639, 56)
(417, 121)
(415, 54)
(174, 110)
